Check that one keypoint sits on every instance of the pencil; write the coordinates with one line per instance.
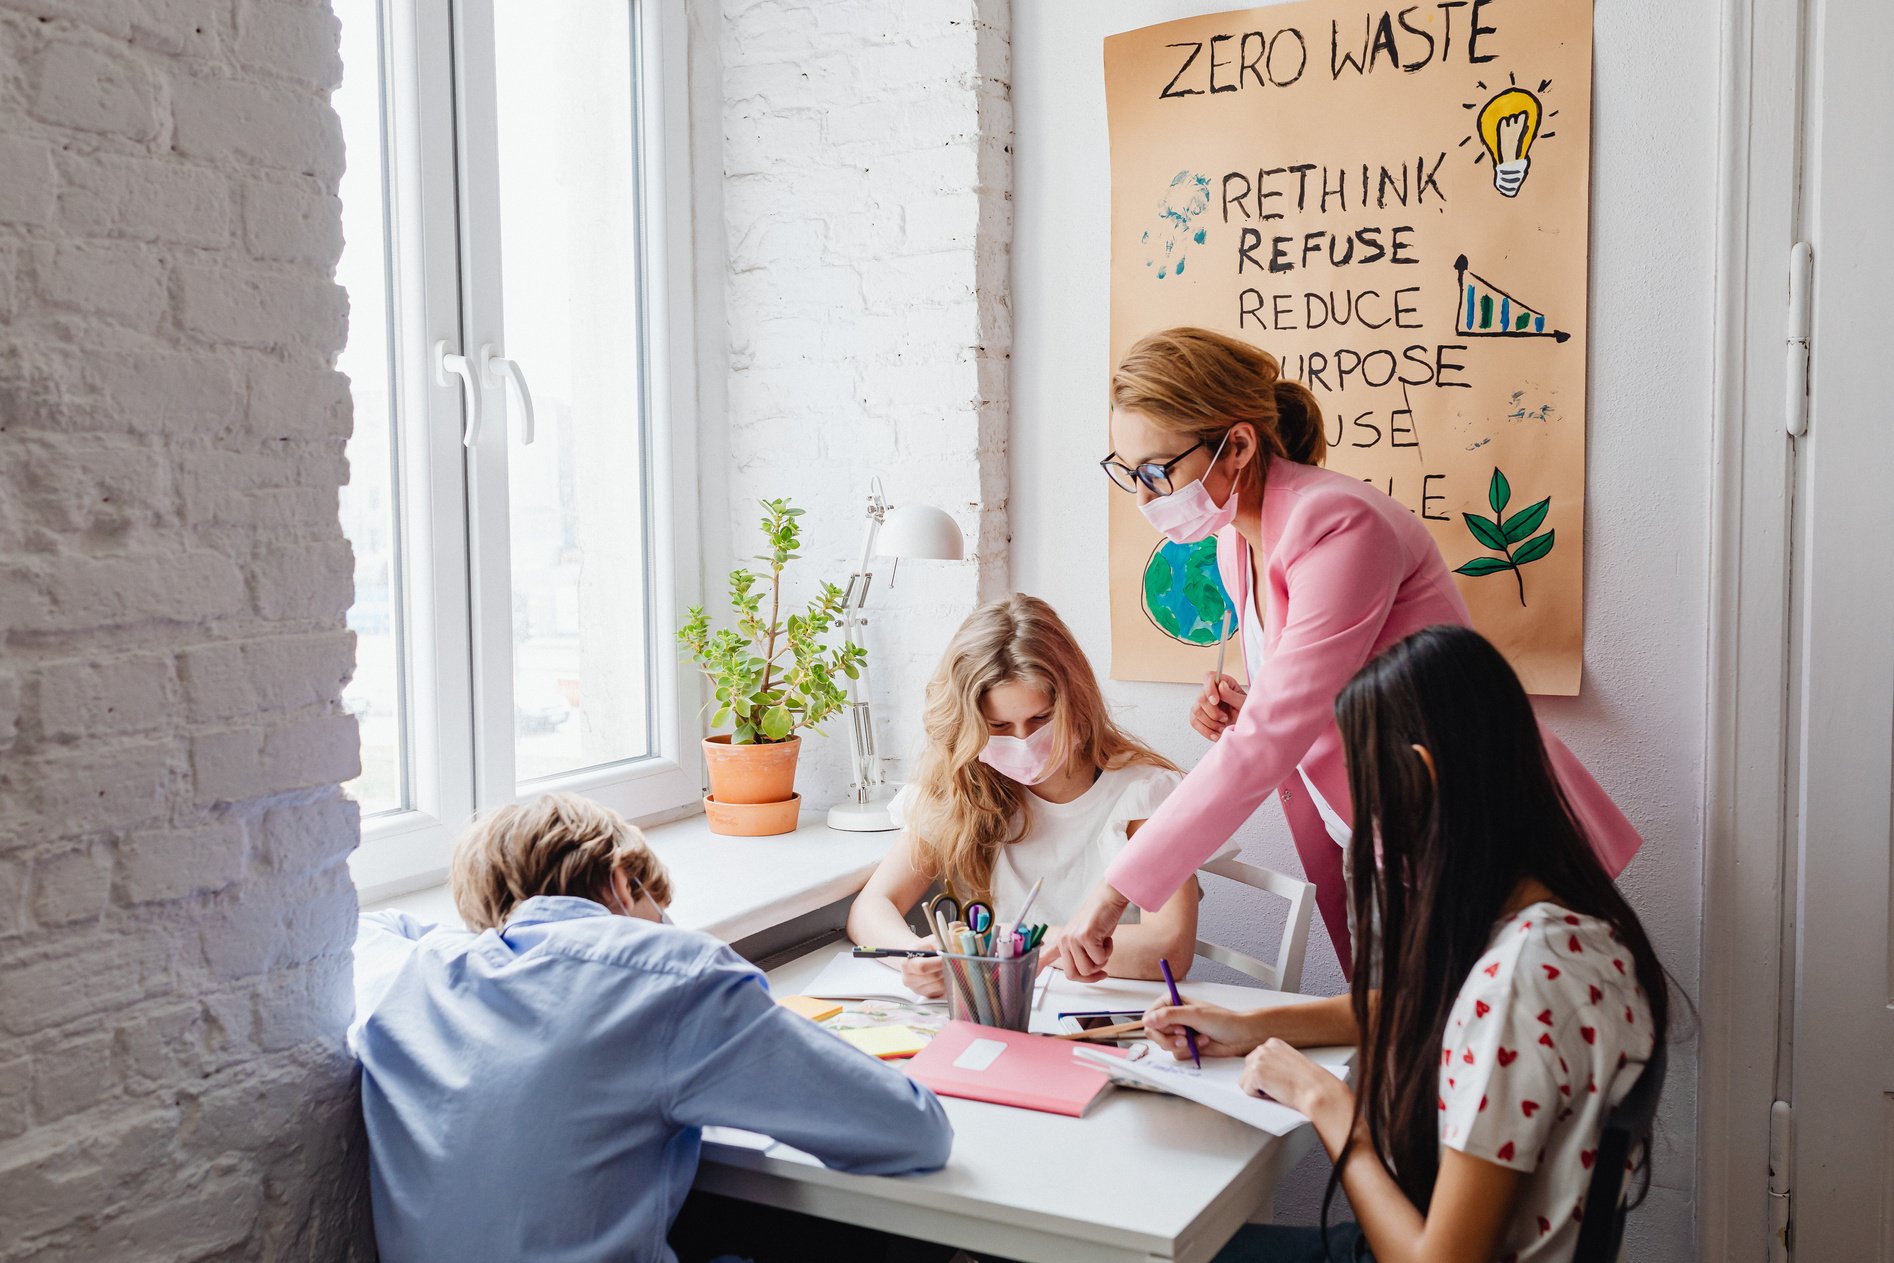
(1223, 641)
(1190, 1036)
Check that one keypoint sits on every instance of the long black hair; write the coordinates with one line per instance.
(1454, 842)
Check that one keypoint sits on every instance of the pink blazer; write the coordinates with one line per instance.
(1349, 572)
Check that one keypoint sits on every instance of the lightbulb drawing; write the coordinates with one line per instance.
(1508, 125)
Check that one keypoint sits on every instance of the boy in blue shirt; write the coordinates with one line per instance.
(536, 1087)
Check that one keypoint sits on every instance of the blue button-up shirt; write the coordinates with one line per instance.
(538, 1091)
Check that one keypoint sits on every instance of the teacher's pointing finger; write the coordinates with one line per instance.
(1085, 948)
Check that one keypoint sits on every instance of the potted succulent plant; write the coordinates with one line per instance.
(773, 676)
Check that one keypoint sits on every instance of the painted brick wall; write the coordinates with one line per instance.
(867, 209)
(175, 911)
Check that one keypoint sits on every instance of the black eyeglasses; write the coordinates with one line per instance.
(1155, 475)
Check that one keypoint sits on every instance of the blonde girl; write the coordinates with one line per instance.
(1024, 777)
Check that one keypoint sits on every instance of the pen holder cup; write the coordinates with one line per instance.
(991, 990)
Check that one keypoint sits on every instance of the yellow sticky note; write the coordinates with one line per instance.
(886, 1042)
(814, 1010)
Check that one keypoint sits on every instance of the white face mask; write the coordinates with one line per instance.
(1027, 760)
(1188, 514)
(664, 915)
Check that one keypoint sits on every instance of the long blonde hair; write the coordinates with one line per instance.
(1198, 383)
(964, 810)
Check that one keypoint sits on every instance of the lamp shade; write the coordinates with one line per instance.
(919, 531)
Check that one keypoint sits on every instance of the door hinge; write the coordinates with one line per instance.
(1781, 1160)
(1796, 340)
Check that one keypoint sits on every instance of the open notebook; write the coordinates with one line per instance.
(848, 977)
(1216, 1085)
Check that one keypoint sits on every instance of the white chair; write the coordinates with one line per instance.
(1286, 973)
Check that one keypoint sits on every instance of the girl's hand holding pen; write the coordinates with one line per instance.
(924, 974)
(1220, 1032)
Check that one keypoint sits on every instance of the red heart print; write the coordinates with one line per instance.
(1526, 1107)
(1481, 1008)
(1571, 945)
(1578, 1214)
(1587, 1157)
(1450, 1083)
(1545, 1225)
(1506, 1056)
(1619, 964)
(1467, 1056)
(1482, 1103)
(1546, 1040)
(1551, 972)
(1570, 919)
(1628, 1018)
(1589, 1033)
(1443, 1103)
(1596, 994)
(1492, 970)
(1565, 1089)
(1545, 1017)
(1505, 1153)
(1592, 1086)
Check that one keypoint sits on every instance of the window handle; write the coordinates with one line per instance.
(496, 370)
(446, 362)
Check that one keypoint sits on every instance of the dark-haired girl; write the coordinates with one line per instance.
(1507, 997)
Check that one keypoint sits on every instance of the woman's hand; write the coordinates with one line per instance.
(1274, 1069)
(1217, 705)
(1220, 1032)
(1085, 940)
(925, 974)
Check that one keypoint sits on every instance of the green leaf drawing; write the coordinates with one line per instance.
(1498, 492)
(1501, 536)
(1484, 565)
(1526, 521)
(1488, 533)
(1533, 549)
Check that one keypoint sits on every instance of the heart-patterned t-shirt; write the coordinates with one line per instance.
(1549, 1031)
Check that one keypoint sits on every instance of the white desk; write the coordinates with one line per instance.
(728, 887)
(1140, 1177)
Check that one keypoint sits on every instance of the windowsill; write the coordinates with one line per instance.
(730, 888)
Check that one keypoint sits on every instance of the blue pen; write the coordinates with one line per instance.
(1190, 1036)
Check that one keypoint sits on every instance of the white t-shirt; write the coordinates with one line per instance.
(1070, 844)
(1549, 1032)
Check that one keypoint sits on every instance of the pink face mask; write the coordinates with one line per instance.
(1188, 514)
(1027, 760)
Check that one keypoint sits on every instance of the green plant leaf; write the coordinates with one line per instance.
(777, 723)
(1533, 549)
(1498, 492)
(1526, 521)
(1484, 565)
(721, 718)
(1488, 533)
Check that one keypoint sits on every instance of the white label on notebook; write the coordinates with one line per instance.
(980, 1054)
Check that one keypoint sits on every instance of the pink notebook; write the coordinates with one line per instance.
(984, 1063)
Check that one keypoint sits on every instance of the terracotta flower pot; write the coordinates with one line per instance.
(752, 820)
(751, 774)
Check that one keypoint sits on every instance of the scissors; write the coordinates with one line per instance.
(943, 908)
(978, 916)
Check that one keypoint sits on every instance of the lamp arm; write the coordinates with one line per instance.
(861, 734)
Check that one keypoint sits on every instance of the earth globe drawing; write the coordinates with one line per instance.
(1183, 595)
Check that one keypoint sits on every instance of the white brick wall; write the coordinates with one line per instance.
(175, 912)
(867, 215)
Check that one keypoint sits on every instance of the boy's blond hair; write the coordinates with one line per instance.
(557, 844)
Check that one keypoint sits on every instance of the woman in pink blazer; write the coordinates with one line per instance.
(1212, 440)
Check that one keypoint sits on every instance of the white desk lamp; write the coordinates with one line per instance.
(917, 532)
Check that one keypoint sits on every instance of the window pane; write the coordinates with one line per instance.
(370, 508)
(569, 242)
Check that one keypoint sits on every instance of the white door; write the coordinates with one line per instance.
(1843, 694)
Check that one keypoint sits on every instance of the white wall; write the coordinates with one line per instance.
(865, 215)
(1638, 722)
(175, 912)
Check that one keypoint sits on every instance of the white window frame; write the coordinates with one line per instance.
(453, 531)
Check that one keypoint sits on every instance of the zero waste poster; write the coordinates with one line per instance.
(1394, 202)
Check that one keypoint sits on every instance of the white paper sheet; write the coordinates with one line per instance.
(850, 978)
(1216, 1085)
